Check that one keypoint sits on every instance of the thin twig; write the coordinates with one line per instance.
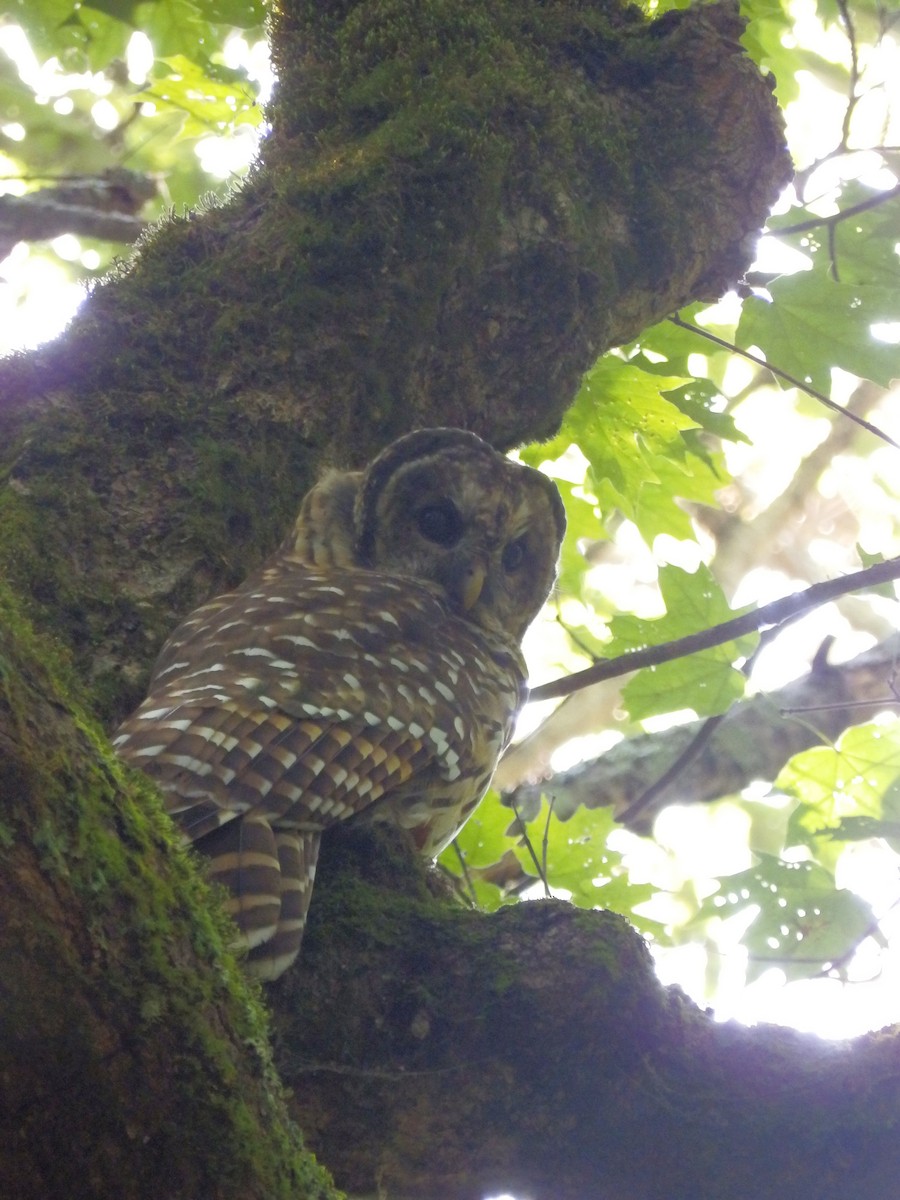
(791, 379)
(698, 742)
(542, 874)
(850, 29)
(777, 613)
(844, 215)
(650, 793)
(574, 638)
(464, 867)
(545, 874)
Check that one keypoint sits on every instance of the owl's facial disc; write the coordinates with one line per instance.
(443, 508)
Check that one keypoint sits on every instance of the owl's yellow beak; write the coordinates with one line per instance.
(472, 586)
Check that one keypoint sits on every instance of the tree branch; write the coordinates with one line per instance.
(751, 742)
(95, 206)
(453, 247)
(793, 380)
(779, 612)
(443, 1053)
(746, 537)
(134, 1057)
(456, 211)
(844, 215)
(29, 219)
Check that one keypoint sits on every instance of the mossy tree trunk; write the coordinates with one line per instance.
(459, 206)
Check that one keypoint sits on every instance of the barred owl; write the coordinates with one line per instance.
(372, 666)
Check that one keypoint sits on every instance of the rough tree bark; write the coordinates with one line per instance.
(458, 207)
(436, 1053)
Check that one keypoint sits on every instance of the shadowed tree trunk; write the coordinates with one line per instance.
(434, 1052)
(458, 207)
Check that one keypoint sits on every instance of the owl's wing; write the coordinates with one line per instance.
(286, 775)
(308, 702)
(217, 760)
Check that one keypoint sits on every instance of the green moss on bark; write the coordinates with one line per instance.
(132, 1039)
(457, 209)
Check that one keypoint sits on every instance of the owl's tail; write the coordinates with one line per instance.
(269, 875)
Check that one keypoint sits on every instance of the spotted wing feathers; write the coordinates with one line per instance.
(306, 698)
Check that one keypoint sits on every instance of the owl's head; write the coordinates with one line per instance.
(441, 505)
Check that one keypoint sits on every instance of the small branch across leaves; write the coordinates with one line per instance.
(786, 377)
(779, 612)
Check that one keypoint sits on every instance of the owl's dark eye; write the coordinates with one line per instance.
(440, 523)
(514, 555)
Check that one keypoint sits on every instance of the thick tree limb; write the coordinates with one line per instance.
(134, 1060)
(103, 206)
(753, 742)
(442, 1053)
(22, 219)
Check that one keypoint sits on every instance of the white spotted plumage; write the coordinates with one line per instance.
(373, 666)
